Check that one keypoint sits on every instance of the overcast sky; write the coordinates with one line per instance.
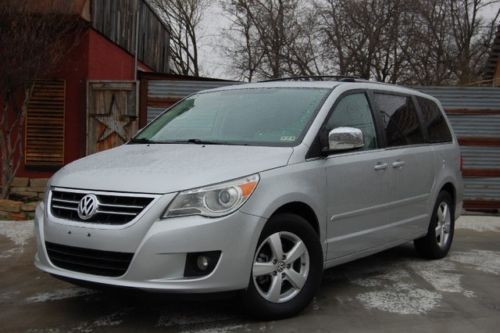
(212, 61)
(214, 64)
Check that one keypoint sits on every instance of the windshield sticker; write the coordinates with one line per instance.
(287, 138)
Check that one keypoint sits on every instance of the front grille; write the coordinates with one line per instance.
(114, 209)
(88, 261)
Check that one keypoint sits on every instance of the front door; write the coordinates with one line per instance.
(357, 183)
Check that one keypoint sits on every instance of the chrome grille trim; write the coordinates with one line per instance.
(114, 208)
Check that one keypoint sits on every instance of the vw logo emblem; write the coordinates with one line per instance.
(88, 206)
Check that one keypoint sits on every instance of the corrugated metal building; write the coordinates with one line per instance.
(474, 113)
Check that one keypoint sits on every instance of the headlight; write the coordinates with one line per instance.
(213, 201)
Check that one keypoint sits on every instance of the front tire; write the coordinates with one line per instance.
(437, 242)
(287, 268)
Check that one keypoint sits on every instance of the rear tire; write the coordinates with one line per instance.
(287, 268)
(437, 242)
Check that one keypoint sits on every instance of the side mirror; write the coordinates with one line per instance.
(345, 138)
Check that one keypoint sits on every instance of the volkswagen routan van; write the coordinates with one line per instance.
(259, 188)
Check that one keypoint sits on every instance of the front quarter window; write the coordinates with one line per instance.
(258, 116)
(354, 111)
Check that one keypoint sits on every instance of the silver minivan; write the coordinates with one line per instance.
(259, 188)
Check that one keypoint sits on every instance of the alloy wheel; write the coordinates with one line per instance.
(443, 225)
(281, 267)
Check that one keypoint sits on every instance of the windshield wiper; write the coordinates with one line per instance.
(141, 140)
(204, 142)
(197, 141)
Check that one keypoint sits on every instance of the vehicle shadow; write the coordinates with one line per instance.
(137, 310)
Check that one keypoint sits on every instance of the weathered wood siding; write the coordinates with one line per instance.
(44, 126)
(116, 19)
(112, 117)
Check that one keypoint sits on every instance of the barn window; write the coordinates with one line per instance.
(44, 131)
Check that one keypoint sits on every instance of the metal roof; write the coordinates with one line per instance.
(465, 97)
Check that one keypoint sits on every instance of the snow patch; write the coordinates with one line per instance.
(396, 292)
(11, 252)
(482, 260)
(441, 275)
(108, 321)
(479, 223)
(111, 320)
(401, 298)
(367, 282)
(59, 295)
(7, 296)
(221, 329)
(19, 232)
(183, 319)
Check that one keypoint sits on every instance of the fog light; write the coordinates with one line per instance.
(201, 263)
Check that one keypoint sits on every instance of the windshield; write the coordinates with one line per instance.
(263, 116)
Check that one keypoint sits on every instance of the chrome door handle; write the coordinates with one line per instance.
(380, 166)
(398, 164)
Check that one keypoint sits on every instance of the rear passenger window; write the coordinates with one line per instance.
(437, 128)
(400, 120)
(354, 111)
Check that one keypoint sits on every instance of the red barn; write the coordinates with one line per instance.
(91, 102)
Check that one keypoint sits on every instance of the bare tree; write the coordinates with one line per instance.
(272, 38)
(33, 39)
(412, 42)
(183, 18)
(428, 42)
(366, 38)
(471, 41)
(430, 60)
(244, 49)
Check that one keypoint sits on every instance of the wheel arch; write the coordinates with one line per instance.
(450, 188)
(303, 210)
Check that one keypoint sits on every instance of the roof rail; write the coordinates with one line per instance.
(340, 78)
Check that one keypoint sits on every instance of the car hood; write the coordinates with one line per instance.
(164, 168)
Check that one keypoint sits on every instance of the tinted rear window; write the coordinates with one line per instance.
(400, 120)
(437, 128)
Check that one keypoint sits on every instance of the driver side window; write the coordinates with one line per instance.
(354, 111)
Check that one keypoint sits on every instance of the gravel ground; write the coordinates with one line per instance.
(388, 292)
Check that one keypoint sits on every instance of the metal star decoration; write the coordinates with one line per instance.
(113, 123)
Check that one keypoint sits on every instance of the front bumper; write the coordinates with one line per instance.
(159, 249)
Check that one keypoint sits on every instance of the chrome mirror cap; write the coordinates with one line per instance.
(345, 138)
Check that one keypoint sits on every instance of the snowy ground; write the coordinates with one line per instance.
(387, 292)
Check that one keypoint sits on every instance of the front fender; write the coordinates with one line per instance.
(302, 182)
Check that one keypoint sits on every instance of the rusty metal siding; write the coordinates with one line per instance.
(154, 112)
(475, 125)
(181, 88)
(482, 188)
(474, 114)
(164, 93)
(465, 97)
(477, 157)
